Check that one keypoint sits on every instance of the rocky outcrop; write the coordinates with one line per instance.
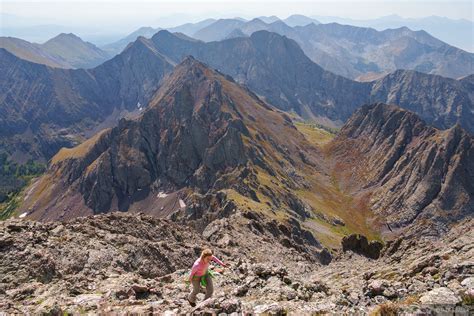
(359, 244)
(415, 173)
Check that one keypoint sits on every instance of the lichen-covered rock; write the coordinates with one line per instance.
(440, 296)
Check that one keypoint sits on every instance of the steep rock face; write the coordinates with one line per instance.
(416, 173)
(440, 101)
(201, 132)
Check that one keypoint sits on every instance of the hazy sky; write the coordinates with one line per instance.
(129, 14)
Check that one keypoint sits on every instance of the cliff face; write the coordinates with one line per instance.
(415, 172)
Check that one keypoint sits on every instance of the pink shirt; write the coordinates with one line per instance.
(200, 267)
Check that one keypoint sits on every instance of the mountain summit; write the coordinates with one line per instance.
(201, 133)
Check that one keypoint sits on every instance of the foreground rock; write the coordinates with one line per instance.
(137, 264)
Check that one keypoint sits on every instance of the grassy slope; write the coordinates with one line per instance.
(327, 200)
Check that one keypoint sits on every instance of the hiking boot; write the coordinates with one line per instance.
(193, 304)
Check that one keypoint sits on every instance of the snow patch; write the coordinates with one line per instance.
(23, 215)
(182, 204)
(162, 195)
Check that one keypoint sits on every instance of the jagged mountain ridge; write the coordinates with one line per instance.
(442, 102)
(418, 176)
(297, 84)
(267, 60)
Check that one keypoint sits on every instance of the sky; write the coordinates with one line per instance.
(109, 13)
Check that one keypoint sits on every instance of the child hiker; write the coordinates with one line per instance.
(200, 274)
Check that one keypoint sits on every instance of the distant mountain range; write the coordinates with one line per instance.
(457, 33)
(187, 29)
(354, 52)
(357, 52)
(62, 51)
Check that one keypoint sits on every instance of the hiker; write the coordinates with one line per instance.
(201, 275)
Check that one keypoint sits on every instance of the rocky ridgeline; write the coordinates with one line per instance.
(136, 264)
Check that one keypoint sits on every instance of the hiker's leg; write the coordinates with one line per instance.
(196, 288)
(209, 286)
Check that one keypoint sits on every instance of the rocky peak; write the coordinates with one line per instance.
(200, 132)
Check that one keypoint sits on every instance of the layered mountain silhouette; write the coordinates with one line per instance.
(271, 65)
(276, 68)
(62, 51)
(207, 148)
(188, 29)
(357, 52)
